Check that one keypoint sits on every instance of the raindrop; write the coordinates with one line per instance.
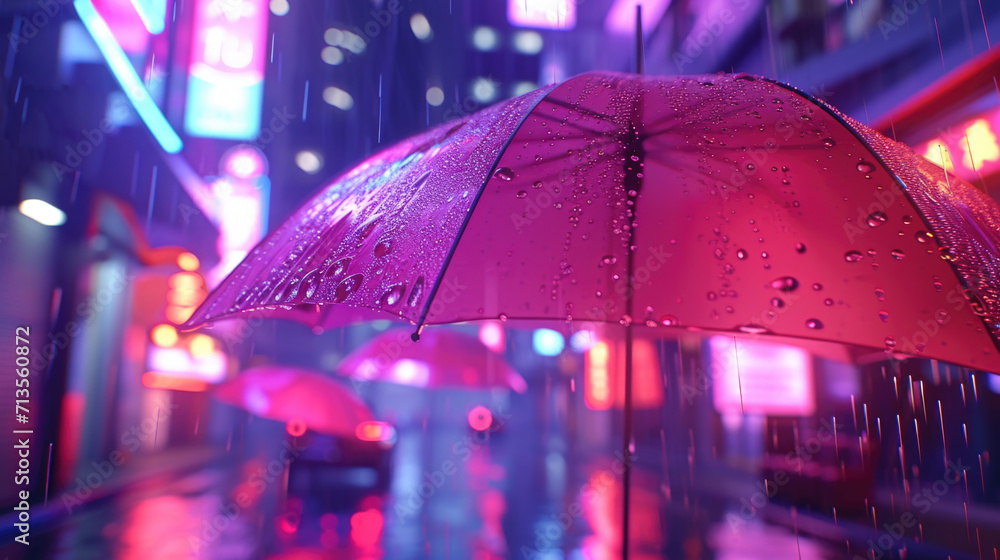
(752, 329)
(719, 254)
(890, 342)
(777, 302)
(876, 219)
(536, 185)
(741, 254)
(897, 254)
(502, 317)
(521, 194)
(347, 287)
(711, 296)
(394, 294)
(626, 320)
(338, 268)
(827, 302)
(853, 256)
(751, 167)
(383, 247)
(923, 236)
(729, 309)
(785, 284)
(309, 284)
(416, 292)
(814, 324)
(880, 294)
(937, 285)
(728, 268)
(884, 315)
(829, 142)
(907, 219)
(941, 317)
(865, 166)
(975, 302)
(871, 252)
(668, 321)
(800, 248)
(609, 259)
(504, 173)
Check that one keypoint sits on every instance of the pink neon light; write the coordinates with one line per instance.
(492, 336)
(621, 15)
(544, 14)
(229, 41)
(761, 378)
(125, 24)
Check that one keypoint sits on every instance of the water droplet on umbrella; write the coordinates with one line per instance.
(394, 294)
(785, 283)
(711, 296)
(853, 256)
(876, 219)
(865, 166)
(975, 302)
(884, 315)
(829, 142)
(741, 254)
(890, 342)
(416, 292)
(383, 247)
(609, 259)
(937, 285)
(814, 324)
(338, 268)
(871, 252)
(502, 317)
(536, 185)
(897, 254)
(880, 294)
(521, 194)
(309, 284)
(728, 268)
(941, 317)
(504, 173)
(751, 167)
(668, 320)
(777, 302)
(752, 329)
(817, 286)
(800, 248)
(626, 320)
(719, 254)
(347, 287)
(907, 219)
(923, 236)
(828, 302)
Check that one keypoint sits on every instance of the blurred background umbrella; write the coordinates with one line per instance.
(443, 358)
(299, 397)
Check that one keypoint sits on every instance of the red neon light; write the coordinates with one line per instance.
(480, 418)
(970, 149)
(375, 431)
(156, 380)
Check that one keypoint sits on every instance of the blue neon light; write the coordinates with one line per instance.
(153, 14)
(128, 79)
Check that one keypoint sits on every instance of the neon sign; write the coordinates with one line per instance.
(970, 150)
(226, 83)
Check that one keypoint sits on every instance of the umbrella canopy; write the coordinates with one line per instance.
(442, 359)
(728, 203)
(289, 394)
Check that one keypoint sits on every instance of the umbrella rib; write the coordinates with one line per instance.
(468, 215)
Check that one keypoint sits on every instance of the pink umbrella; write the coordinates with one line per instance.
(723, 203)
(298, 396)
(759, 211)
(442, 359)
